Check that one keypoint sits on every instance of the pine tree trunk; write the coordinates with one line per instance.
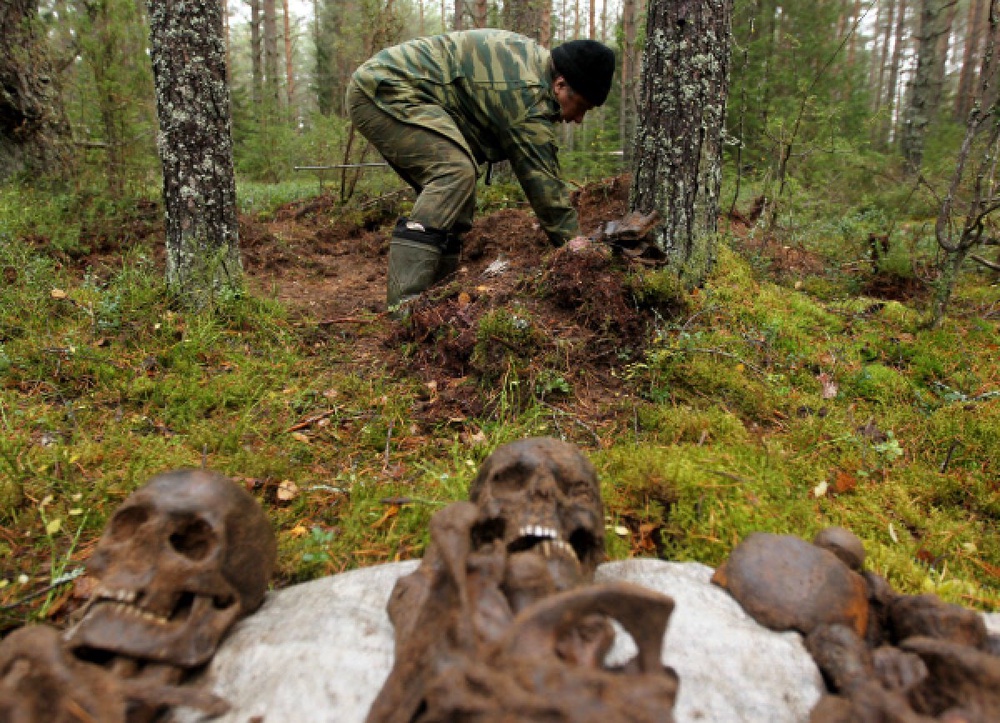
(975, 29)
(271, 52)
(33, 125)
(925, 88)
(256, 54)
(480, 13)
(677, 168)
(892, 85)
(529, 17)
(592, 34)
(196, 150)
(629, 73)
(289, 65)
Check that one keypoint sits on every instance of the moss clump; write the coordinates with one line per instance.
(506, 340)
(879, 384)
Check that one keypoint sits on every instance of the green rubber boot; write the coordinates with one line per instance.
(450, 258)
(412, 269)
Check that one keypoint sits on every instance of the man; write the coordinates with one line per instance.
(437, 108)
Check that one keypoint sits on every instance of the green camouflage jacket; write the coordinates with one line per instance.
(496, 87)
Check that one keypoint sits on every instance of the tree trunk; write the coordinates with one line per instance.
(529, 17)
(678, 160)
(480, 13)
(256, 55)
(271, 52)
(925, 88)
(196, 150)
(883, 57)
(592, 34)
(459, 8)
(892, 85)
(289, 65)
(33, 124)
(629, 79)
(975, 29)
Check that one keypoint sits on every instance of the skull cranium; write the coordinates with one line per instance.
(179, 562)
(541, 495)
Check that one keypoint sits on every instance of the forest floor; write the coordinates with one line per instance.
(795, 390)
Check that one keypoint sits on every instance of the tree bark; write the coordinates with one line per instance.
(529, 17)
(480, 13)
(33, 124)
(925, 88)
(975, 29)
(892, 85)
(289, 65)
(196, 150)
(256, 54)
(271, 52)
(629, 78)
(678, 158)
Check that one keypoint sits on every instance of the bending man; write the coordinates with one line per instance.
(437, 108)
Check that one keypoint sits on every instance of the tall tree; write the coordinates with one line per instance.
(33, 124)
(271, 78)
(975, 35)
(924, 95)
(289, 59)
(112, 35)
(256, 53)
(529, 17)
(892, 85)
(678, 160)
(196, 150)
(629, 76)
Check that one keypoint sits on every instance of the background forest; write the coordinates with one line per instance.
(839, 366)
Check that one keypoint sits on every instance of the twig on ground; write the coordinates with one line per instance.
(309, 421)
(597, 439)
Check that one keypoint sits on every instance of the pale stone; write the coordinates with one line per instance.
(320, 651)
(731, 668)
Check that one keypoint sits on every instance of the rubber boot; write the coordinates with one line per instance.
(450, 258)
(412, 269)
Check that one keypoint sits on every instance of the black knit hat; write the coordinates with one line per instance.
(587, 66)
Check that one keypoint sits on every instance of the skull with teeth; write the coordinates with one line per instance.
(180, 561)
(541, 496)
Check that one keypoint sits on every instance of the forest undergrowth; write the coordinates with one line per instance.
(798, 388)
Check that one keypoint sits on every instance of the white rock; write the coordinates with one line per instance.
(320, 651)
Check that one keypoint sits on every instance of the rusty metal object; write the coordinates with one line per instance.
(630, 237)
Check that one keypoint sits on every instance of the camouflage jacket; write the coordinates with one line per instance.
(496, 87)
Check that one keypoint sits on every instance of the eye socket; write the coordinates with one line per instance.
(126, 522)
(510, 479)
(193, 538)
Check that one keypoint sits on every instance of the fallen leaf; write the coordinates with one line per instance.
(844, 482)
(820, 489)
(829, 387)
(53, 526)
(298, 531)
(621, 530)
(58, 294)
(892, 533)
(299, 437)
(287, 491)
(464, 299)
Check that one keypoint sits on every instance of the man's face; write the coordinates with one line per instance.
(572, 105)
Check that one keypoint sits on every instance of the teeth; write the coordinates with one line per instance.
(562, 548)
(538, 531)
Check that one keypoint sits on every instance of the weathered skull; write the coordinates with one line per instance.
(179, 562)
(542, 495)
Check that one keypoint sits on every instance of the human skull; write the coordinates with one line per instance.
(179, 562)
(542, 495)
